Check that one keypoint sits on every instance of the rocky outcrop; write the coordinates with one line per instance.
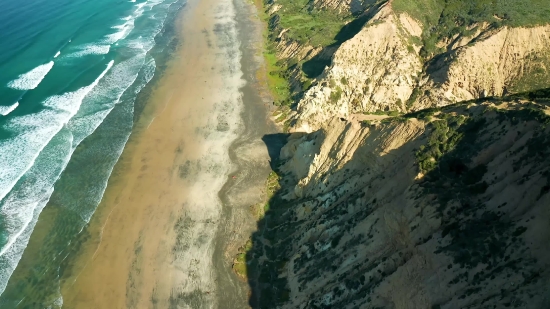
(377, 69)
(499, 62)
(444, 207)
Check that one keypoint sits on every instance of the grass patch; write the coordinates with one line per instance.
(239, 262)
(538, 76)
(272, 184)
(276, 80)
(445, 134)
(383, 113)
(309, 25)
(476, 235)
(336, 94)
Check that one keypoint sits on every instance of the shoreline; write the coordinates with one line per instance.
(159, 224)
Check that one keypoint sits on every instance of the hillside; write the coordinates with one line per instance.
(397, 56)
(416, 170)
(444, 208)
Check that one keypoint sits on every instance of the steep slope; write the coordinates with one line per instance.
(418, 169)
(374, 70)
(391, 56)
(508, 60)
(438, 209)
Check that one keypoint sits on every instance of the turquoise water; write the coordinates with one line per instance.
(70, 73)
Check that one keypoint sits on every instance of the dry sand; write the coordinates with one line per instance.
(163, 236)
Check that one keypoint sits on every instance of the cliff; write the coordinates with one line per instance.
(381, 60)
(417, 171)
(443, 208)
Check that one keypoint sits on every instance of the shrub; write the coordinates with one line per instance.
(336, 94)
(344, 81)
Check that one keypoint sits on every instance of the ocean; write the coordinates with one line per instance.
(73, 78)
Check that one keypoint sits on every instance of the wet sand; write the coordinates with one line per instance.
(178, 207)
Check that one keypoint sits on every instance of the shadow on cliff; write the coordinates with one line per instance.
(273, 242)
(267, 289)
(454, 182)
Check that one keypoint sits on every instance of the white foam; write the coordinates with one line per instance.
(122, 33)
(5, 110)
(150, 69)
(13, 253)
(91, 49)
(70, 102)
(34, 131)
(128, 26)
(22, 206)
(38, 126)
(31, 79)
(103, 98)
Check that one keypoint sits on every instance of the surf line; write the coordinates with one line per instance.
(98, 245)
(151, 122)
(163, 109)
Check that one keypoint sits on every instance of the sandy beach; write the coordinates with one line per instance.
(177, 206)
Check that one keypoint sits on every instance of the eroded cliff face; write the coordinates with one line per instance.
(440, 203)
(374, 70)
(499, 62)
(439, 209)
(379, 68)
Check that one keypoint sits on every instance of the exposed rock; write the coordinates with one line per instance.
(493, 65)
(375, 70)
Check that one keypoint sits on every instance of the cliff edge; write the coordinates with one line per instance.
(416, 173)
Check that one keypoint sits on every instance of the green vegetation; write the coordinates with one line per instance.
(276, 70)
(414, 95)
(276, 79)
(475, 234)
(443, 19)
(538, 77)
(454, 139)
(309, 25)
(344, 81)
(239, 263)
(272, 187)
(383, 113)
(366, 123)
(541, 95)
(272, 184)
(444, 137)
(336, 94)
(240, 266)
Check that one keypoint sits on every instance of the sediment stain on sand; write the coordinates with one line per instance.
(155, 228)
